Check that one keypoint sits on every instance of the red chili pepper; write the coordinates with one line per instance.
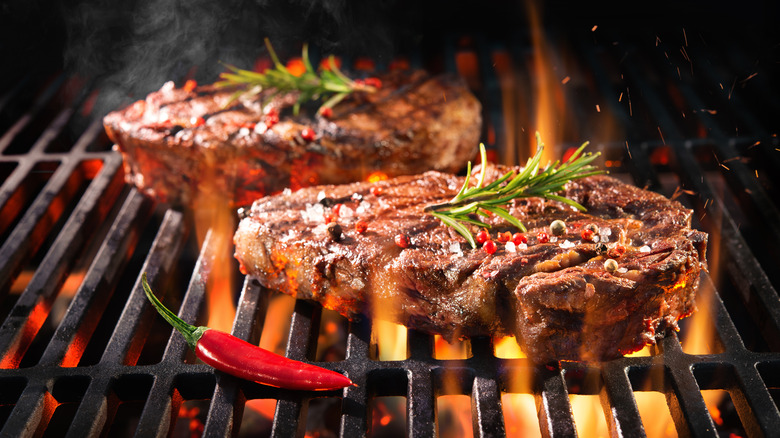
(543, 237)
(326, 112)
(482, 236)
(518, 238)
(504, 237)
(402, 240)
(239, 358)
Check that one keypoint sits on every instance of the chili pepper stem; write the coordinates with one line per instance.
(190, 332)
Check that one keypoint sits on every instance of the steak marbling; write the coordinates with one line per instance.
(184, 144)
(556, 297)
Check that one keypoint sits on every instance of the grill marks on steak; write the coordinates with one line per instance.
(179, 144)
(556, 297)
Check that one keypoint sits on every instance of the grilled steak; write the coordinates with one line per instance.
(557, 297)
(182, 143)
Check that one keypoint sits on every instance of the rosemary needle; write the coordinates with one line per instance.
(532, 181)
(330, 85)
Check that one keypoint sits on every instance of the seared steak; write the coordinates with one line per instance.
(556, 296)
(182, 143)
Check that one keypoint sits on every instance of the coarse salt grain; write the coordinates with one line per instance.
(596, 239)
(510, 247)
(313, 213)
(522, 246)
(320, 196)
(622, 270)
(287, 191)
(346, 212)
(566, 244)
(363, 207)
(553, 239)
(644, 249)
(455, 248)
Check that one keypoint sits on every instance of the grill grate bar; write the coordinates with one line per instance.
(124, 347)
(164, 401)
(41, 290)
(742, 264)
(552, 404)
(81, 318)
(486, 414)
(36, 108)
(686, 404)
(290, 416)
(354, 403)
(31, 413)
(756, 409)
(228, 400)
(29, 234)
(617, 400)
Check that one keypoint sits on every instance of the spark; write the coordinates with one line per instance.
(732, 87)
(707, 201)
(755, 144)
(662, 135)
(721, 85)
(630, 110)
(593, 29)
(565, 80)
(657, 40)
(598, 109)
(731, 159)
(756, 173)
(628, 150)
(620, 98)
(716, 158)
(749, 77)
(685, 37)
(445, 96)
(724, 166)
(685, 54)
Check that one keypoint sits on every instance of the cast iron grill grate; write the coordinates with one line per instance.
(82, 353)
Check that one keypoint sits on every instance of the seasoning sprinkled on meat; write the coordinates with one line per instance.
(181, 143)
(558, 292)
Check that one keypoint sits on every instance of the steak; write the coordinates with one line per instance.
(554, 293)
(181, 144)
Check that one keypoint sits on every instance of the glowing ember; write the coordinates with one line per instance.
(376, 177)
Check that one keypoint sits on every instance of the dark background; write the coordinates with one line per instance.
(131, 47)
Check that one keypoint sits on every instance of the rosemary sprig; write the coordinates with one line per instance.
(471, 202)
(330, 85)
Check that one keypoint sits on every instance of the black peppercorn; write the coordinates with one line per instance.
(334, 230)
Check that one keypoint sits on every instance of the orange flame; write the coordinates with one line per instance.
(547, 91)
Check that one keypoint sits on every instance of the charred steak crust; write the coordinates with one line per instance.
(182, 143)
(556, 297)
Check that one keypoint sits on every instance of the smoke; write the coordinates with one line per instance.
(132, 47)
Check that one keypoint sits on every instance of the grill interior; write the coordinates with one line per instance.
(684, 113)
